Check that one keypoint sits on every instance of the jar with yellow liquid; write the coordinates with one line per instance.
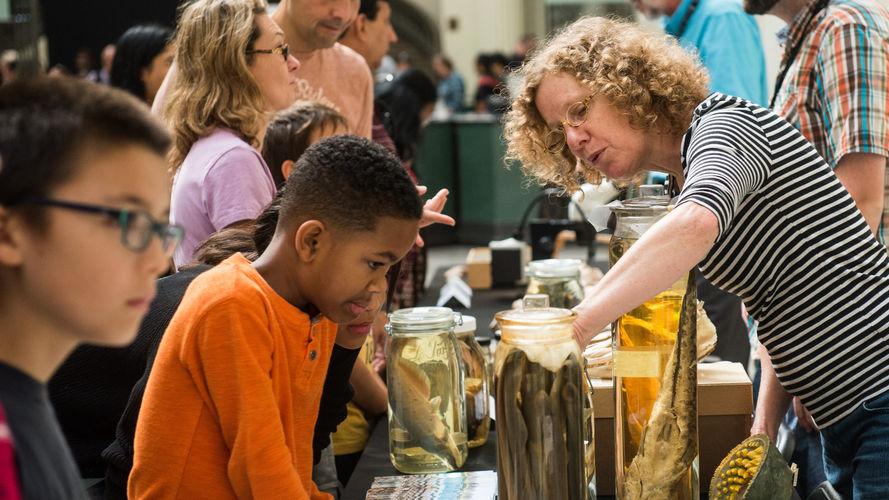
(544, 445)
(475, 383)
(643, 340)
(427, 417)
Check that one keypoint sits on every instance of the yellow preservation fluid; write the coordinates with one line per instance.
(643, 340)
(427, 421)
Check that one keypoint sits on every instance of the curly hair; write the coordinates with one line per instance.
(646, 76)
(214, 86)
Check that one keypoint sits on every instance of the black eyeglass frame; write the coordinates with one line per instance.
(169, 234)
(282, 50)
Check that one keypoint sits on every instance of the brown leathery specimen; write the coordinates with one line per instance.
(668, 445)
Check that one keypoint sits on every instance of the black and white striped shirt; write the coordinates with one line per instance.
(793, 245)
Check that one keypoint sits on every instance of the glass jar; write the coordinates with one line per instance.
(427, 419)
(559, 279)
(642, 343)
(540, 406)
(475, 383)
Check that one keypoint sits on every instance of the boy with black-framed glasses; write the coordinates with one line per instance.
(84, 198)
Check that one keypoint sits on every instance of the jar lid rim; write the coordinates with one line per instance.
(424, 317)
(554, 268)
(536, 316)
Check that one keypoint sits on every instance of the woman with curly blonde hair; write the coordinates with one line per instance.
(759, 212)
(234, 71)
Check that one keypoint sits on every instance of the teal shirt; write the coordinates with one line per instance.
(728, 42)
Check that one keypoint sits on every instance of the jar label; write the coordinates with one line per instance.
(637, 363)
(480, 405)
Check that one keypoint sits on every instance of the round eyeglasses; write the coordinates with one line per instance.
(555, 140)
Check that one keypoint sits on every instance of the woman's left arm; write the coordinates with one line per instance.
(663, 255)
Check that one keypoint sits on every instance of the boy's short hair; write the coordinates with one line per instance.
(44, 123)
(288, 134)
(349, 182)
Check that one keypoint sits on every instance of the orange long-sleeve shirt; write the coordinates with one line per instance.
(233, 396)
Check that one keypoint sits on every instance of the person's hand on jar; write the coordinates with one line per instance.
(585, 325)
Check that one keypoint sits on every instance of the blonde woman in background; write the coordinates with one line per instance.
(759, 212)
(234, 72)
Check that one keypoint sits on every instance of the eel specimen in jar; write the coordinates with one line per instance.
(540, 430)
(668, 444)
(419, 415)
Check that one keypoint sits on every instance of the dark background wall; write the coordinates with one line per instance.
(71, 24)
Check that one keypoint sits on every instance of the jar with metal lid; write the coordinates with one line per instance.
(427, 418)
(557, 278)
(475, 383)
(540, 403)
(643, 341)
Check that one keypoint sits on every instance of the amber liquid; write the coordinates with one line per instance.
(475, 387)
(643, 341)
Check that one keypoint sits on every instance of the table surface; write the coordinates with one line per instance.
(375, 461)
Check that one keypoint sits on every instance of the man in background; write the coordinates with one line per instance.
(832, 86)
(328, 70)
(725, 38)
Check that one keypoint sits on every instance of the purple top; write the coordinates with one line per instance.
(223, 180)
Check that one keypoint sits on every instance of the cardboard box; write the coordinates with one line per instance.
(725, 407)
(478, 268)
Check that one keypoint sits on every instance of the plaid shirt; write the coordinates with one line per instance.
(836, 90)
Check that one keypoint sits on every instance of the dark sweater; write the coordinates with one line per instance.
(46, 468)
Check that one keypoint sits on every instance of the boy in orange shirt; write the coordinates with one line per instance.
(231, 403)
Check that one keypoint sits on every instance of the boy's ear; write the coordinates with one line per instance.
(11, 251)
(286, 168)
(308, 239)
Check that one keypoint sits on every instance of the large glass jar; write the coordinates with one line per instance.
(559, 279)
(475, 383)
(643, 341)
(540, 407)
(427, 419)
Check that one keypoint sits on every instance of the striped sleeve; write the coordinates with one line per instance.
(727, 158)
(851, 72)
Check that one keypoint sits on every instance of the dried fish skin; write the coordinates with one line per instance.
(668, 445)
